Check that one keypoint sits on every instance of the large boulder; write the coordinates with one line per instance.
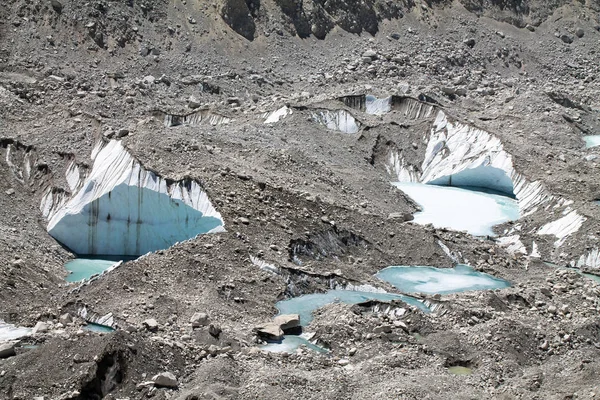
(287, 321)
(237, 15)
(165, 379)
(7, 349)
(269, 331)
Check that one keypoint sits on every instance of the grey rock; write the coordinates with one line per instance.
(65, 319)
(165, 379)
(7, 349)
(566, 38)
(56, 5)
(370, 54)
(287, 321)
(469, 42)
(199, 319)
(579, 32)
(270, 330)
(40, 327)
(150, 324)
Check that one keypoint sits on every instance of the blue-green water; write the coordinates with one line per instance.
(591, 141)
(430, 280)
(460, 209)
(305, 305)
(84, 268)
(593, 277)
(98, 328)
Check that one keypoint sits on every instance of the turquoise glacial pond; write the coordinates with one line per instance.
(591, 141)
(305, 305)
(98, 328)
(431, 280)
(473, 210)
(84, 268)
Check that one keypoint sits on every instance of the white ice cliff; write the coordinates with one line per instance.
(274, 116)
(338, 120)
(590, 260)
(195, 118)
(120, 208)
(460, 154)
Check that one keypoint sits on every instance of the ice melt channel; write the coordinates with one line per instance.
(430, 280)
(460, 209)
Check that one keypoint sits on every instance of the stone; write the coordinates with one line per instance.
(370, 53)
(244, 221)
(343, 362)
(150, 324)
(449, 91)
(382, 329)
(530, 28)
(165, 379)
(199, 319)
(214, 330)
(469, 42)
(56, 6)
(65, 319)
(7, 349)
(122, 132)
(287, 321)
(270, 330)
(579, 32)
(40, 327)
(10, 191)
(566, 38)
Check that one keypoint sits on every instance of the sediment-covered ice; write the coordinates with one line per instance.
(123, 209)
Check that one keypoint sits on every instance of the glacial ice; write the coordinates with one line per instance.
(430, 280)
(339, 120)
(12, 332)
(123, 209)
(460, 209)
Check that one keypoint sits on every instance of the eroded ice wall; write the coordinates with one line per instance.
(120, 208)
(460, 154)
(337, 120)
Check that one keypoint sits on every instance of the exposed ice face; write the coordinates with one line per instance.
(275, 116)
(12, 332)
(439, 280)
(460, 209)
(591, 141)
(482, 176)
(339, 120)
(376, 106)
(123, 209)
(290, 343)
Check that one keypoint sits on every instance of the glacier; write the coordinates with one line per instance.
(121, 208)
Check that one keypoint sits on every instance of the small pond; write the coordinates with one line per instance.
(84, 268)
(431, 280)
(305, 305)
(474, 210)
(591, 141)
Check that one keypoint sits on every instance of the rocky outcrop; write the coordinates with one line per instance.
(237, 15)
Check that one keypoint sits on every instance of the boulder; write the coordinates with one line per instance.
(40, 327)
(65, 319)
(199, 319)
(287, 321)
(7, 349)
(165, 379)
(151, 324)
(270, 330)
